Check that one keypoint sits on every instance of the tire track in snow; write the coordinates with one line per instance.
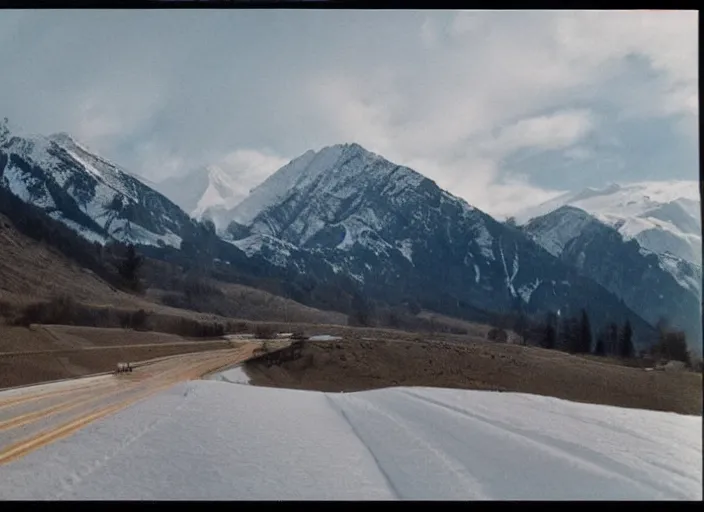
(379, 466)
(581, 455)
(666, 468)
(412, 478)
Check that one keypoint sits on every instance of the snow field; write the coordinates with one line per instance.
(214, 440)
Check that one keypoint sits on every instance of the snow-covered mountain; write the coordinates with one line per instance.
(342, 217)
(663, 217)
(209, 192)
(653, 285)
(400, 236)
(89, 194)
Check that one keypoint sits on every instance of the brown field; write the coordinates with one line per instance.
(62, 352)
(354, 365)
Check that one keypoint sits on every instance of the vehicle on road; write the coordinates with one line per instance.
(124, 368)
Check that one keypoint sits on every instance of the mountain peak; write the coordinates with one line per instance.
(337, 172)
(611, 188)
(63, 138)
(569, 209)
(6, 129)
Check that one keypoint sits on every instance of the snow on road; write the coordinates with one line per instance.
(217, 441)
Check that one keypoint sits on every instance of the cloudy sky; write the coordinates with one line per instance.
(500, 108)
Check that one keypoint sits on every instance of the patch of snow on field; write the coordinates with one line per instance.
(324, 337)
(217, 441)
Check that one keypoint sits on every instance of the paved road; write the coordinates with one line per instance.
(35, 416)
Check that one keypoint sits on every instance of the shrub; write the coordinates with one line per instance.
(60, 310)
(195, 329)
(498, 335)
(7, 310)
(174, 300)
(698, 365)
(139, 320)
(264, 332)
(238, 327)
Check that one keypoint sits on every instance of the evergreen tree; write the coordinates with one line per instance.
(626, 349)
(569, 335)
(521, 327)
(672, 346)
(362, 310)
(600, 346)
(549, 339)
(612, 339)
(130, 266)
(584, 345)
(663, 325)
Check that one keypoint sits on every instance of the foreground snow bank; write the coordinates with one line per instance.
(213, 440)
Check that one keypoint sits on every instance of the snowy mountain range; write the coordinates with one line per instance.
(92, 196)
(653, 285)
(400, 236)
(631, 238)
(209, 192)
(663, 217)
(344, 212)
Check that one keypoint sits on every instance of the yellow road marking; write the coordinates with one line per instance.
(25, 419)
(29, 397)
(22, 448)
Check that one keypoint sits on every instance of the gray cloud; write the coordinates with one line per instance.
(499, 107)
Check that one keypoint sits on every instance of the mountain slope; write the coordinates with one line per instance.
(601, 253)
(663, 217)
(86, 192)
(400, 236)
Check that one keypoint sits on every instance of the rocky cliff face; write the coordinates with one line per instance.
(399, 235)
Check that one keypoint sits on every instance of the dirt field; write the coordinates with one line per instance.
(61, 352)
(354, 365)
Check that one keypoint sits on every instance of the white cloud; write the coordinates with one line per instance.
(514, 194)
(467, 23)
(429, 33)
(249, 166)
(577, 153)
(668, 40)
(548, 132)
(449, 94)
